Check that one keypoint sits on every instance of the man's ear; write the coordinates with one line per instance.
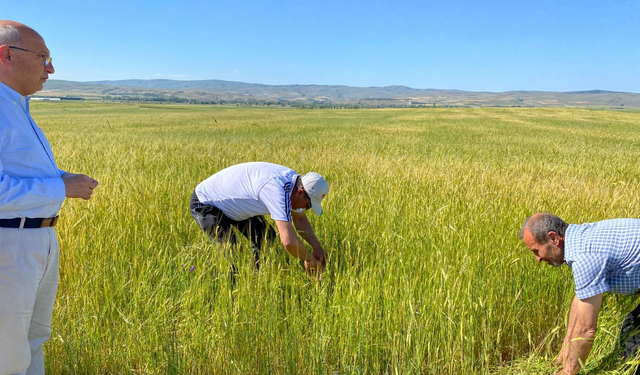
(5, 54)
(554, 237)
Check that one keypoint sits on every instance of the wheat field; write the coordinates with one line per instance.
(425, 272)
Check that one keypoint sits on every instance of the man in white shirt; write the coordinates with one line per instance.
(240, 195)
(32, 189)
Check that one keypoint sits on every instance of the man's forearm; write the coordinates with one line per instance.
(297, 249)
(583, 323)
(578, 350)
(292, 243)
(305, 230)
(570, 326)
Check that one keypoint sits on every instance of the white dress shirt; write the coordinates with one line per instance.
(30, 181)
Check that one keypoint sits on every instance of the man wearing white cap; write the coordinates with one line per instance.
(240, 195)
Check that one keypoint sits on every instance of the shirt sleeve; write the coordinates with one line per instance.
(19, 193)
(29, 185)
(25, 193)
(590, 275)
(277, 199)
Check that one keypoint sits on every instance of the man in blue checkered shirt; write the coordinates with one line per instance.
(604, 257)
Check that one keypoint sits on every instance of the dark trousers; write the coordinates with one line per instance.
(629, 335)
(220, 227)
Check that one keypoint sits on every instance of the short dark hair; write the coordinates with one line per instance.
(541, 224)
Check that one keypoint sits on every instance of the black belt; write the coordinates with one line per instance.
(28, 222)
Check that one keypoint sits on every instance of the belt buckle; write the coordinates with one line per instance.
(49, 222)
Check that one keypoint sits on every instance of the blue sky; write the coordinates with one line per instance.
(467, 45)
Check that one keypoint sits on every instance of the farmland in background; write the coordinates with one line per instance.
(425, 271)
(326, 96)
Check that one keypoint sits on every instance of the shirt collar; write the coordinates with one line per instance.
(569, 245)
(14, 97)
(10, 94)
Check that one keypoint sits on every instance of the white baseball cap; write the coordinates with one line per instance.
(316, 188)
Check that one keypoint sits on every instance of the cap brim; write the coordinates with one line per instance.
(317, 207)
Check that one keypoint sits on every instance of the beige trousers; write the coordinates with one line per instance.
(29, 260)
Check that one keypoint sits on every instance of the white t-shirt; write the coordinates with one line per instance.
(250, 189)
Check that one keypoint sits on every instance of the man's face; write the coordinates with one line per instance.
(551, 252)
(30, 72)
(300, 199)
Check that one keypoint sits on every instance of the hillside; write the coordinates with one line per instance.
(218, 90)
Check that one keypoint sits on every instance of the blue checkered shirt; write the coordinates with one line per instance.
(604, 256)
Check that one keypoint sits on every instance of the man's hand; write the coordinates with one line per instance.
(78, 185)
(314, 267)
(320, 255)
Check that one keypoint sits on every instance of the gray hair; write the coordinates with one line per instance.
(9, 35)
(541, 224)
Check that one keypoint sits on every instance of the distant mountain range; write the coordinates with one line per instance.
(387, 96)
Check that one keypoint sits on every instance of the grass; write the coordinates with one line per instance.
(425, 271)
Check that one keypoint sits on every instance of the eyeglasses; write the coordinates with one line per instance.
(46, 59)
